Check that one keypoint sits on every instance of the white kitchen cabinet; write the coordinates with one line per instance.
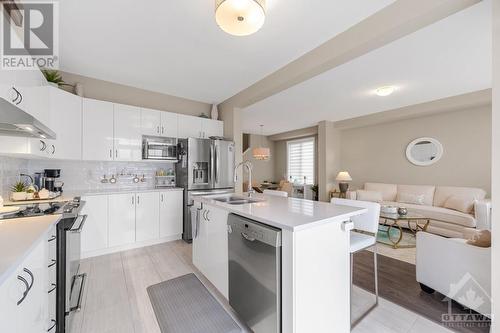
(95, 231)
(171, 213)
(66, 121)
(147, 216)
(211, 127)
(189, 126)
(196, 127)
(210, 253)
(121, 219)
(158, 123)
(97, 128)
(127, 133)
(31, 315)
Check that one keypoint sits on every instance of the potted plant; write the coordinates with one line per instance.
(53, 77)
(19, 191)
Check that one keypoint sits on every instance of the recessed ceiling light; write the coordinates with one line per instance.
(384, 91)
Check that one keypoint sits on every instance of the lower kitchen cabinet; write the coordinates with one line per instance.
(121, 219)
(147, 216)
(170, 213)
(27, 286)
(95, 231)
(210, 253)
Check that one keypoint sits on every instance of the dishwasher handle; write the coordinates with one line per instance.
(248, 238)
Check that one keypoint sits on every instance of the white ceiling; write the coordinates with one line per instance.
(175, 46)
(450, 57)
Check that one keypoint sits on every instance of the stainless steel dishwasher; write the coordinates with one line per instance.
(255, 273)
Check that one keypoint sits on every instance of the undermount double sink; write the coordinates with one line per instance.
(237, 200)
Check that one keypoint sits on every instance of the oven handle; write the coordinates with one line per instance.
(80, 226)
(78, 306)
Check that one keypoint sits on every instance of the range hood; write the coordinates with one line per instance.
(16, 122)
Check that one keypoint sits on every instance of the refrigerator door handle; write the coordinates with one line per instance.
(212, 164)
(216, 164)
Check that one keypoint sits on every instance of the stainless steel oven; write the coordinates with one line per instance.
(70, 282)
(158, 148)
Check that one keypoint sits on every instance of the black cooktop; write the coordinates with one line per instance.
(37, 209)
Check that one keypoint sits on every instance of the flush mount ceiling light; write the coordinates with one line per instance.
(384, 91)
(240, 17)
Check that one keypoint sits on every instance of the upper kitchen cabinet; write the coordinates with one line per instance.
(158, 123)
(97, 128)
(66, 121)
(127, 133)
(196, 127)
(211, 127)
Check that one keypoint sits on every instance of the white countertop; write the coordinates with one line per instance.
(18, 237)
(287, 213)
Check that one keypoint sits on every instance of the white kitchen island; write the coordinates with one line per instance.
(315, 281)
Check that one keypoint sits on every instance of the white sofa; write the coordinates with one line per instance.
(454, 268)
(443, 221)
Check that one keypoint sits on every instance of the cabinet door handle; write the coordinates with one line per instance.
(158, 129)
(25, 293)
(53, 262)
(110, 153)
(53, 149)
(43, 145)
(161, 196)
(162, 130)
(54, 287)
(31, 276)
(138, 197)
(53, 325)
(208, 219)
(19, 95)
(116, 153)
(133, 200)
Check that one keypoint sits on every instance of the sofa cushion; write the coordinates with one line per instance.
(439, 214)
(481, 238)
(444, 192)
(426, 190)
(461, 204)
(411, 198)
(373, 196)
(389, 191)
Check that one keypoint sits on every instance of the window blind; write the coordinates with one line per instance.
(300, 160)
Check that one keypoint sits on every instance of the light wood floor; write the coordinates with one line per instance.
(116, 301)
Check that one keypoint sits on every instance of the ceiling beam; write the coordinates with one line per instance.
(393, 22)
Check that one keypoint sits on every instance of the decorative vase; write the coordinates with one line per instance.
(16, 196)
(402, 211)
(215, 112)
(79, 89)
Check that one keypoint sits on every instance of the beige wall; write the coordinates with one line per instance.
(262, 170)
(118, 93)
(377, 153)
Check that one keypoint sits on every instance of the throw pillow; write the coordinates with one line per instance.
(460, 204)
(411, 198)
(372, 196)
(482, 239)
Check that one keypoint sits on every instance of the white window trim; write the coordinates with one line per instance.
(308, 139)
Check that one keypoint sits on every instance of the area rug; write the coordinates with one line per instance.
(397, 283)
(184, 305)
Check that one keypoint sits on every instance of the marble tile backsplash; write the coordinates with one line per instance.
(82, 175)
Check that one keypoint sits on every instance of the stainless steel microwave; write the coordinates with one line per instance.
(158, 148)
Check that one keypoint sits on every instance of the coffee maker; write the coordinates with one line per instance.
(50, 181)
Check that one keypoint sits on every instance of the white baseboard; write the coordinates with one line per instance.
(100, 252)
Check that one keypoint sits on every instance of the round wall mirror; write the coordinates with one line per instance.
(424, 151)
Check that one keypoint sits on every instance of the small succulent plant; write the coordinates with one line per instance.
(52, 76)
(19, 187)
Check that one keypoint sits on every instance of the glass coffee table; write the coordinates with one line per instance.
(391, 222)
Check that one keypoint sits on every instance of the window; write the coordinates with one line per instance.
(300, 160)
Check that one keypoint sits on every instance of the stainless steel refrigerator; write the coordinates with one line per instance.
(205, 167)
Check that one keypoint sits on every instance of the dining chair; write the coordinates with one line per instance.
(276, 193)
(363, 236)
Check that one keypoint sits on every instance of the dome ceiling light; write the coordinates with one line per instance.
(240, 17)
